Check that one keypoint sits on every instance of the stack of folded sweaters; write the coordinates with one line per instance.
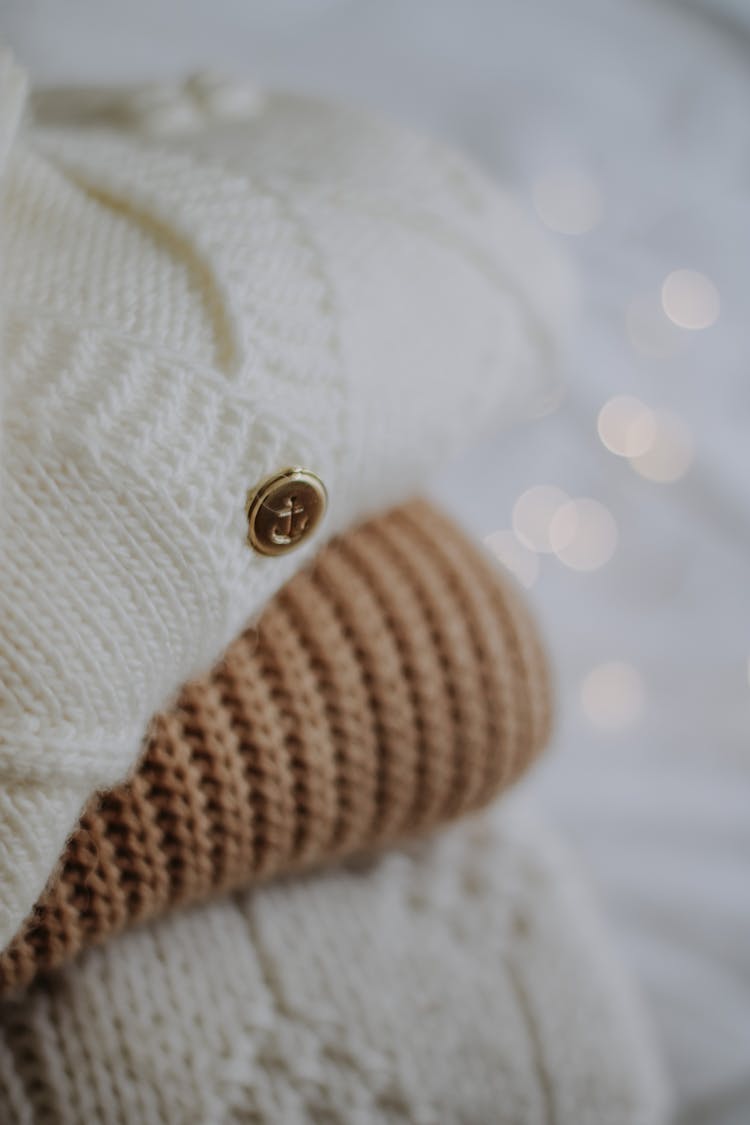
(246, 679)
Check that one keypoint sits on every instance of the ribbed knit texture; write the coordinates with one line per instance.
(185, 318)
(395, 684)
(464, 981)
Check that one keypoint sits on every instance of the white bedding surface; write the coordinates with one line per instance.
(650, 101)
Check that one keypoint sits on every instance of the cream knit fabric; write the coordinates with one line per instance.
(465, 980)
(12, 96)
(186, 314)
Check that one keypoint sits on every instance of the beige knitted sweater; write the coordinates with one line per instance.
(464, 981)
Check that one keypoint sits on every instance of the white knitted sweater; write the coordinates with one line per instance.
(188, 312)
(465, 981)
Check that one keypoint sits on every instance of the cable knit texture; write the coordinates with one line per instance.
(394, 685)
(463, 980)
(186, 314)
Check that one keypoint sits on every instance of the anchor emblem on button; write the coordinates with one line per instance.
(284, 510)
(293, 521)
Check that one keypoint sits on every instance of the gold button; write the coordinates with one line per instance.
(284, 510)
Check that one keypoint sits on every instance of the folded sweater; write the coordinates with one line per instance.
(393, 685)
(185, 316)
(463, 980)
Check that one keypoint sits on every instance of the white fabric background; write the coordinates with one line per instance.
(651, 100)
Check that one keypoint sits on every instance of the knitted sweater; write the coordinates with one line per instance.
(395, 684)
(184, 316)
(464, 981)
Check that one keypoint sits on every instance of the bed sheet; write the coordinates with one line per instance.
(628, 123)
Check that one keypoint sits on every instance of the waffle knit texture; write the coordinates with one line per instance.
(185, 317)
(463, 980)
(394, 685)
